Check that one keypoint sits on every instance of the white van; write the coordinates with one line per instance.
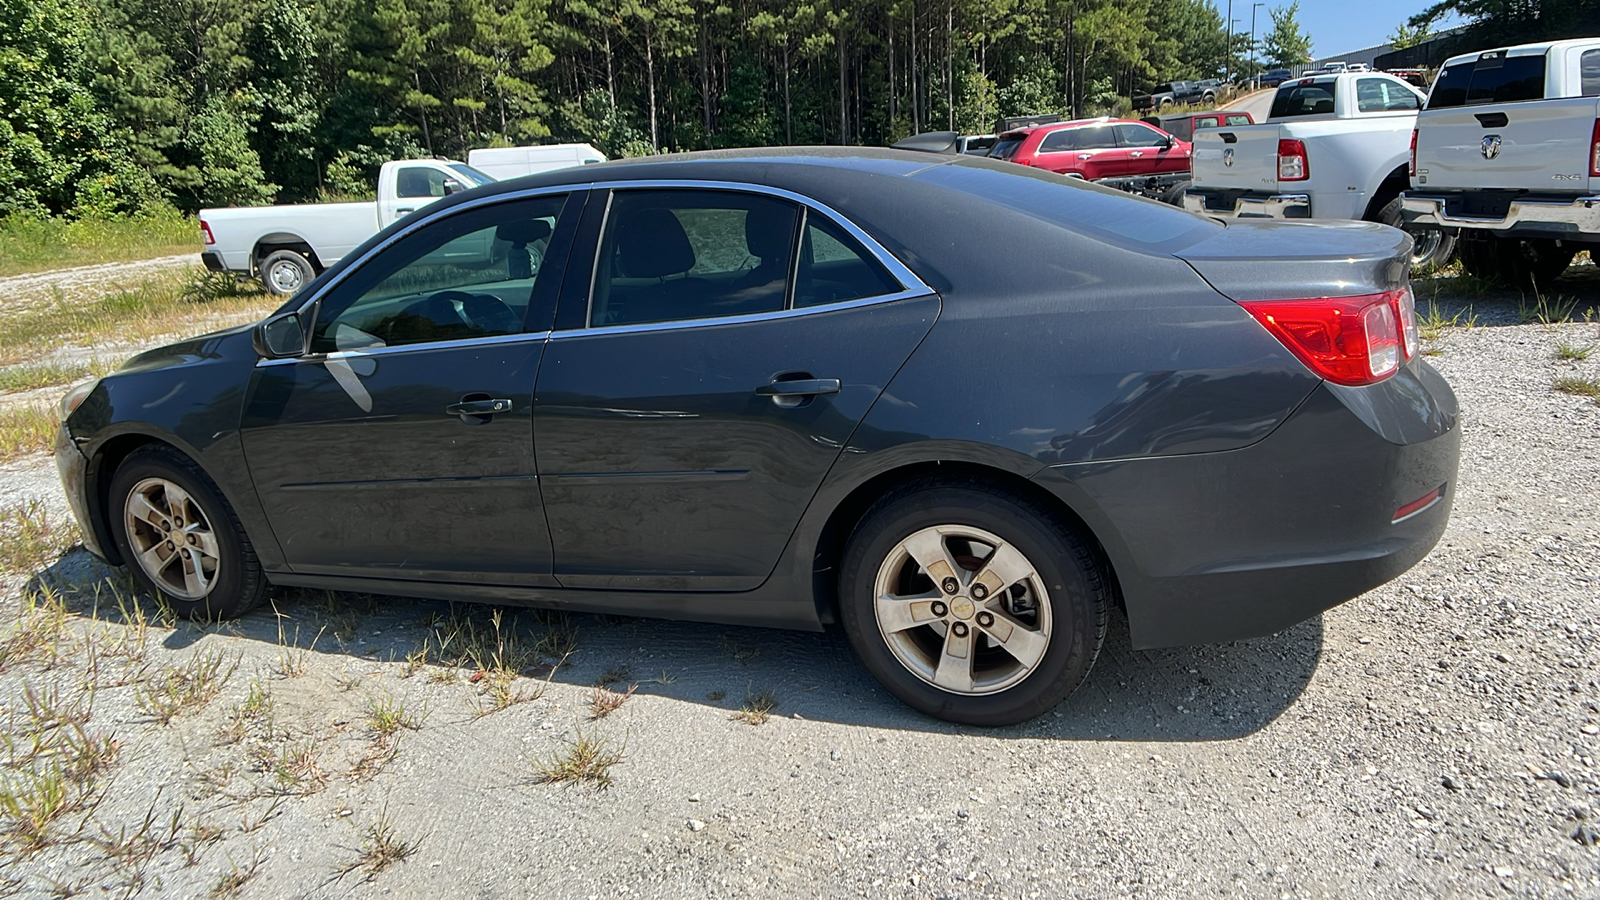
(513, 162)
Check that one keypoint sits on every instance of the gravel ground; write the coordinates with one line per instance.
(1435, 737)
(19, 292)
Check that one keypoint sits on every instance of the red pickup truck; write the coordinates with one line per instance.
(1095, 148)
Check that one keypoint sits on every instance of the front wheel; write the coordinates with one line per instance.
(180, 538)
(972, 604)
(1431, 248)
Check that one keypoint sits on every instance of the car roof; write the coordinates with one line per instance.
(1520, 49)
(1076, 123)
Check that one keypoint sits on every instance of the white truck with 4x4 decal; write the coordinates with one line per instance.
(1508, 151)
(1333, 147)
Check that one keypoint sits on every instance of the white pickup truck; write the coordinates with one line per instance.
(1334, 146)
(1508, 150)
(287, 246)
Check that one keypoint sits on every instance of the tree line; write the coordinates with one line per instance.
(109, 106)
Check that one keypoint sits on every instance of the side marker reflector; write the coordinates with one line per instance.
(1419, 504)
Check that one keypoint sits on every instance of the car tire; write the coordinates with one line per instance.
(1028, 610)
(1174, 194)
(1431, 247)
(1518, 263)
(180, 538)
(286, 272)
(1209, 98)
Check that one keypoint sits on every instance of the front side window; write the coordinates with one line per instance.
(1383, 95)
(465, 276)
(420, 181)
(674, 255)
(1139, 136)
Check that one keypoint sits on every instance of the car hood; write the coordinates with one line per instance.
(1276, 260)
(217, 345)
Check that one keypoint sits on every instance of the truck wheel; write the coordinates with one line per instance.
(1518, 263)
(1174, 194)
(1431, 247)
(285, 272)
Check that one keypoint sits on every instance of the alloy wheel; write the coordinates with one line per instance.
(962, 609)
(172, 539)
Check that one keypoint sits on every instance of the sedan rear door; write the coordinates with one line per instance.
(703, 380)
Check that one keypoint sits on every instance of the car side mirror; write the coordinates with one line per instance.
(280, 337)
(451, 187)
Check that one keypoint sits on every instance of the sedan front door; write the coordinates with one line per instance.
(401, 444)
(692, 401)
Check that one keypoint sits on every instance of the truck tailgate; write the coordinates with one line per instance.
(1538, 146)
(1237, 158)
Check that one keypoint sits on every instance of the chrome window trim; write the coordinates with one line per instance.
(674, 324)
(910, 284)
(487, 340)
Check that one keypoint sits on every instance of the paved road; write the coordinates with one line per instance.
(1257, 104)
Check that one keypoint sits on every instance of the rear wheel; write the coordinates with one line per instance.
(285, 272)
(180, 538)
(1174, 194)
(1431, 248)
(971, 604)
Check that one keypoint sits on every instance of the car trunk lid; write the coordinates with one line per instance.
(1276, 260)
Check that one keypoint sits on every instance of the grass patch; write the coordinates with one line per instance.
(30, 378)
(30, 244)
(1432, 322)
(757, 708)
(587, 760)
(1546, 309)
(1567, 353)
(604, 701)
(159, 307)
(381, 847)
(1583, 387)
(35, 635)
(52, 764)
(386, 716)
(26, 430)
(185, 687)
(31, 538)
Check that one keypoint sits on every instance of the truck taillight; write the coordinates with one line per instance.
(1413, 171)
(1292, 162)
(1594, 150)
(1347, 340)
(206, 231)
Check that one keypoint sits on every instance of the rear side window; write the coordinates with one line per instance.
(1058, 141)
(1494, 79)
(1005, 148)
(1098, 137)
(1303, 100)
(834, 267)
(1589, 68)
(1239, 120)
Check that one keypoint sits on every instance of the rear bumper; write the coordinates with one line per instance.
(1244, 543)
(213, 261)
(1567, 217)
(1248, 206)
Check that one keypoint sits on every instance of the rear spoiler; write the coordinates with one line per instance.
(930, 142)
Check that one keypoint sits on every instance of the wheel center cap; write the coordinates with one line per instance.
(962, 608)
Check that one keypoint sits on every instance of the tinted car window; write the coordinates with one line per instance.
(1058, 141)
(416, 181)
(468, 275)
(1492, 80)
(1130, 135)
(834, 267)
(1096, 137)
(1303, 100)
(676, 255)
(1005, 149)
(1589, 68)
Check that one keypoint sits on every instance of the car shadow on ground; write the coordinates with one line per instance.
(1457, 300)
(1209, 693)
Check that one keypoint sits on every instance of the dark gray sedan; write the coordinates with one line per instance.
(960, 407)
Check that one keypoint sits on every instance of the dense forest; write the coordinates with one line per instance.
(110, 105)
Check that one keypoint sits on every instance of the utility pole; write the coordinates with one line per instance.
(1227, 55)
(1254, 66)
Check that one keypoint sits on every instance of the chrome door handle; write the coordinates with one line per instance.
(1137, 153)
(477, 412)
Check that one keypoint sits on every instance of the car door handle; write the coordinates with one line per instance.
(1085, 155)
(478, 407)
(1492, 120)
(1137, 153)
(804, 387)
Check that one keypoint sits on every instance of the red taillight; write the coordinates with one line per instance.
(1292, 162)
(206, 230)
(1413, 171)
(1594, 150)
(1347, 340)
